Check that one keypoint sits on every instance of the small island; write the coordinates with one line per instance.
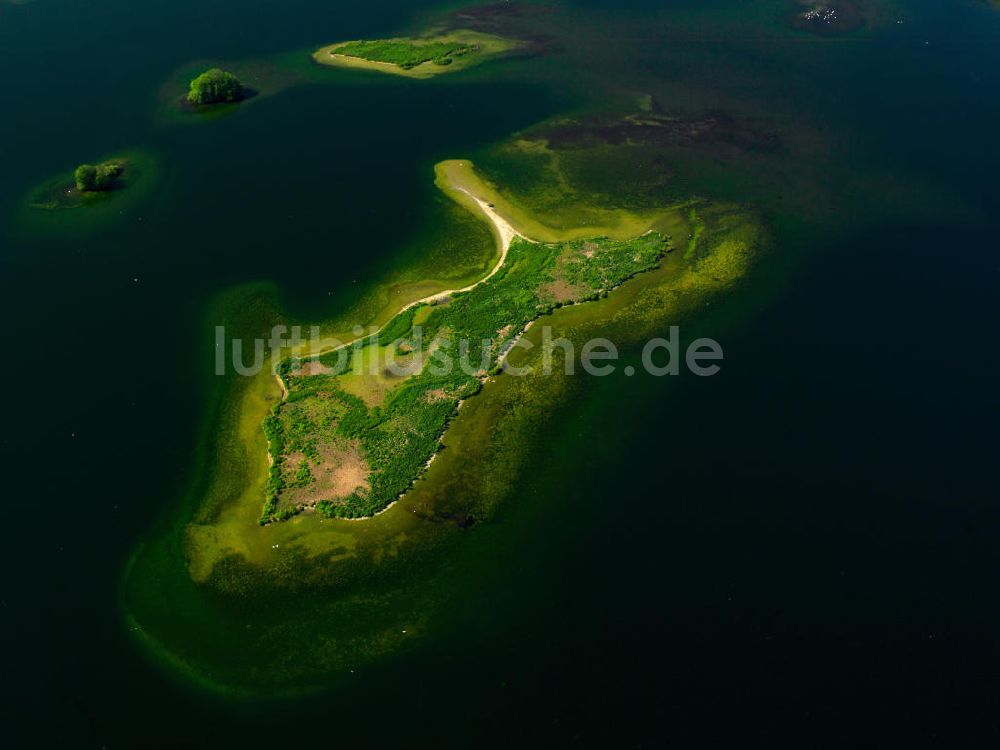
(87, 185)
(215, 86)
(90, 196)
(417, 57)
(102, 177)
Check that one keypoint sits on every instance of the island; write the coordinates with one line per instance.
(215, 86)
(105, 176)
(416, 57)
(361, 423)
(354, 462)
(95, 184)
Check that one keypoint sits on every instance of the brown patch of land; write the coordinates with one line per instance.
(561, 291)
(339, 471)
(313, 367)
(436, 394)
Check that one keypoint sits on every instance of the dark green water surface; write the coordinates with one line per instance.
(800, 551)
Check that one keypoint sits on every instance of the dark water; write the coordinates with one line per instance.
(802, 550)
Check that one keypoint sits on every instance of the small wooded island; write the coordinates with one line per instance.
(215, 86)
(93, 184)
(91, 196)
(90, 178)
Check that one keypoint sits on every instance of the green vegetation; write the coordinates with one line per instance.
(399, 434)
(90, 178)
(364, 590)
(215, 86)
(358, 586)
(403, 52)
(90, 197)
(417, 57)
(396, 328)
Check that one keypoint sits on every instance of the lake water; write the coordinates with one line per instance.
(802, 549)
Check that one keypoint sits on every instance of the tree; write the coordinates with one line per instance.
(101, 177)
(215, 86)
(86, 177)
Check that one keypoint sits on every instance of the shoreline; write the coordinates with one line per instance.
(505, 234)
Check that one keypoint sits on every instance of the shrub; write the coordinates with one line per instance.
(100, 177)
(215, 86)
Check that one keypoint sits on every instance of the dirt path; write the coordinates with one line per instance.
(505, 236)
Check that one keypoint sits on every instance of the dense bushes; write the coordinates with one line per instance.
(398, 437)
(396, 328)
(275, 447)
(404, 53)
(215, 86)
(100, 177)
(611, 262)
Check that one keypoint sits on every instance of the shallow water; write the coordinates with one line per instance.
(801, 548)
